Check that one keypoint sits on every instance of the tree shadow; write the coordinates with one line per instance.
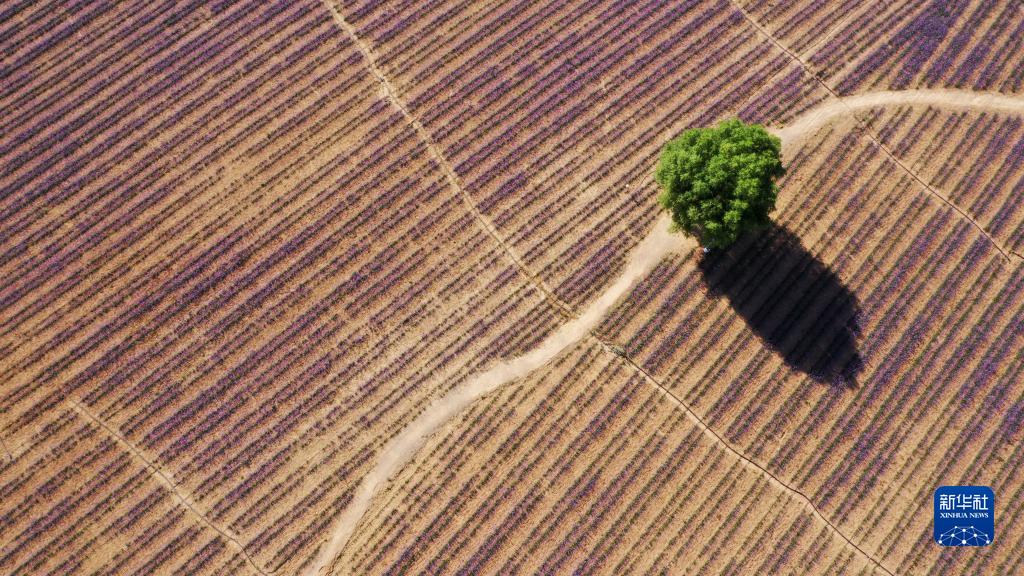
(792, 301)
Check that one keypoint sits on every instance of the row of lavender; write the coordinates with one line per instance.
(977, 272)
(103, 202)
(279, 424)
(34, 194)
(192, 283)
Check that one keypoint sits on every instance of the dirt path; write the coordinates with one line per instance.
(658, 244)
(809, 122)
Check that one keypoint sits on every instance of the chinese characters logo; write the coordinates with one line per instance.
(964, 516)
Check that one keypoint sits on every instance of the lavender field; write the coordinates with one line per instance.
(248, 247)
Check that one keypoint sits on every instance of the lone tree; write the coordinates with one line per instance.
(720, 182)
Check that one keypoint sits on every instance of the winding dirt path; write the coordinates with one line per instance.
(810, 121)
(659, 243)
(655, 246)
(840, 105)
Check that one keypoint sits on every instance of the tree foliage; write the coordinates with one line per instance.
(719, 182)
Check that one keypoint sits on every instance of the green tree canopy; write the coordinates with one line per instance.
(720, 182)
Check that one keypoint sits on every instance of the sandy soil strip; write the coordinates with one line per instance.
(809, 122)
(658, 244)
